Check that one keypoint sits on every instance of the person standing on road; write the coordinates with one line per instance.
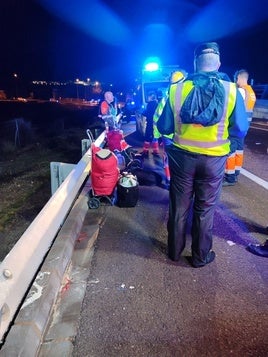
(149, 139)
(205, 111)
(176, 77)
(236, 157)
(247, 92)
(109, 111)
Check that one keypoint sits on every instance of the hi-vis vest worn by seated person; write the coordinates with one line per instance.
(209, 138)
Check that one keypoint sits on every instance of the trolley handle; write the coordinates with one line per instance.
(90, 136)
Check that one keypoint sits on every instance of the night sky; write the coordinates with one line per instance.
(109, 40)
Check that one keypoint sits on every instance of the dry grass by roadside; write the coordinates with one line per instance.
(25, 182)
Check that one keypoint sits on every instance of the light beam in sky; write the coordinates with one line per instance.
(92, 17)
(223, 18)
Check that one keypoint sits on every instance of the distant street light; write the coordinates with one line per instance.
(77, 83)
(16, 84)
(87, 84)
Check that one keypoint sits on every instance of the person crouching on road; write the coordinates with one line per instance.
(206, 111)
(235, 160)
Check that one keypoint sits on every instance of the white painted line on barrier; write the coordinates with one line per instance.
(255, 178)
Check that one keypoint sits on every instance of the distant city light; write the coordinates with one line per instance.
(51, 83)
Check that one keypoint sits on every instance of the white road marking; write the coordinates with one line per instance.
(255, 178)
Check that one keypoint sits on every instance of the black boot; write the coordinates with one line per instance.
(259, 249)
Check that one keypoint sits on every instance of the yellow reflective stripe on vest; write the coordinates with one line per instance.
(157, 113)
(212, 140)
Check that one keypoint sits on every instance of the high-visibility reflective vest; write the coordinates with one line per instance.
(210, 140)
(250, 99)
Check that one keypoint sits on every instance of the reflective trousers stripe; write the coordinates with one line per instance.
(234, 162)
(239, 158)
(230, 164)
(146, 145)
(155, 146)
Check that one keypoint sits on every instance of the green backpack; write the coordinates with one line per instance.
(205, 103)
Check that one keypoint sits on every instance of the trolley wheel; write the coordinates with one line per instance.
(93, 203)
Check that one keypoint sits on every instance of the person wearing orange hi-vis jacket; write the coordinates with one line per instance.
(235, 159)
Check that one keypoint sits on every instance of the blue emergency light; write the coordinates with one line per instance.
(151, 65)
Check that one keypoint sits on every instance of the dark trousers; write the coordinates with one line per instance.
(195, 179)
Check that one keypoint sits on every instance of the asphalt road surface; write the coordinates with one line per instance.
(139, 303)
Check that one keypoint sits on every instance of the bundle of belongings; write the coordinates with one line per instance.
(127, 190)
(105, 173)
(107, 184)
(128, 160)
(104, 176)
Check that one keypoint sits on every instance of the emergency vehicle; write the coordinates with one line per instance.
(154, 78)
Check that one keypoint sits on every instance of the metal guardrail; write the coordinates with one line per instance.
(260, 110)
(261, 91)
(20, 266)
